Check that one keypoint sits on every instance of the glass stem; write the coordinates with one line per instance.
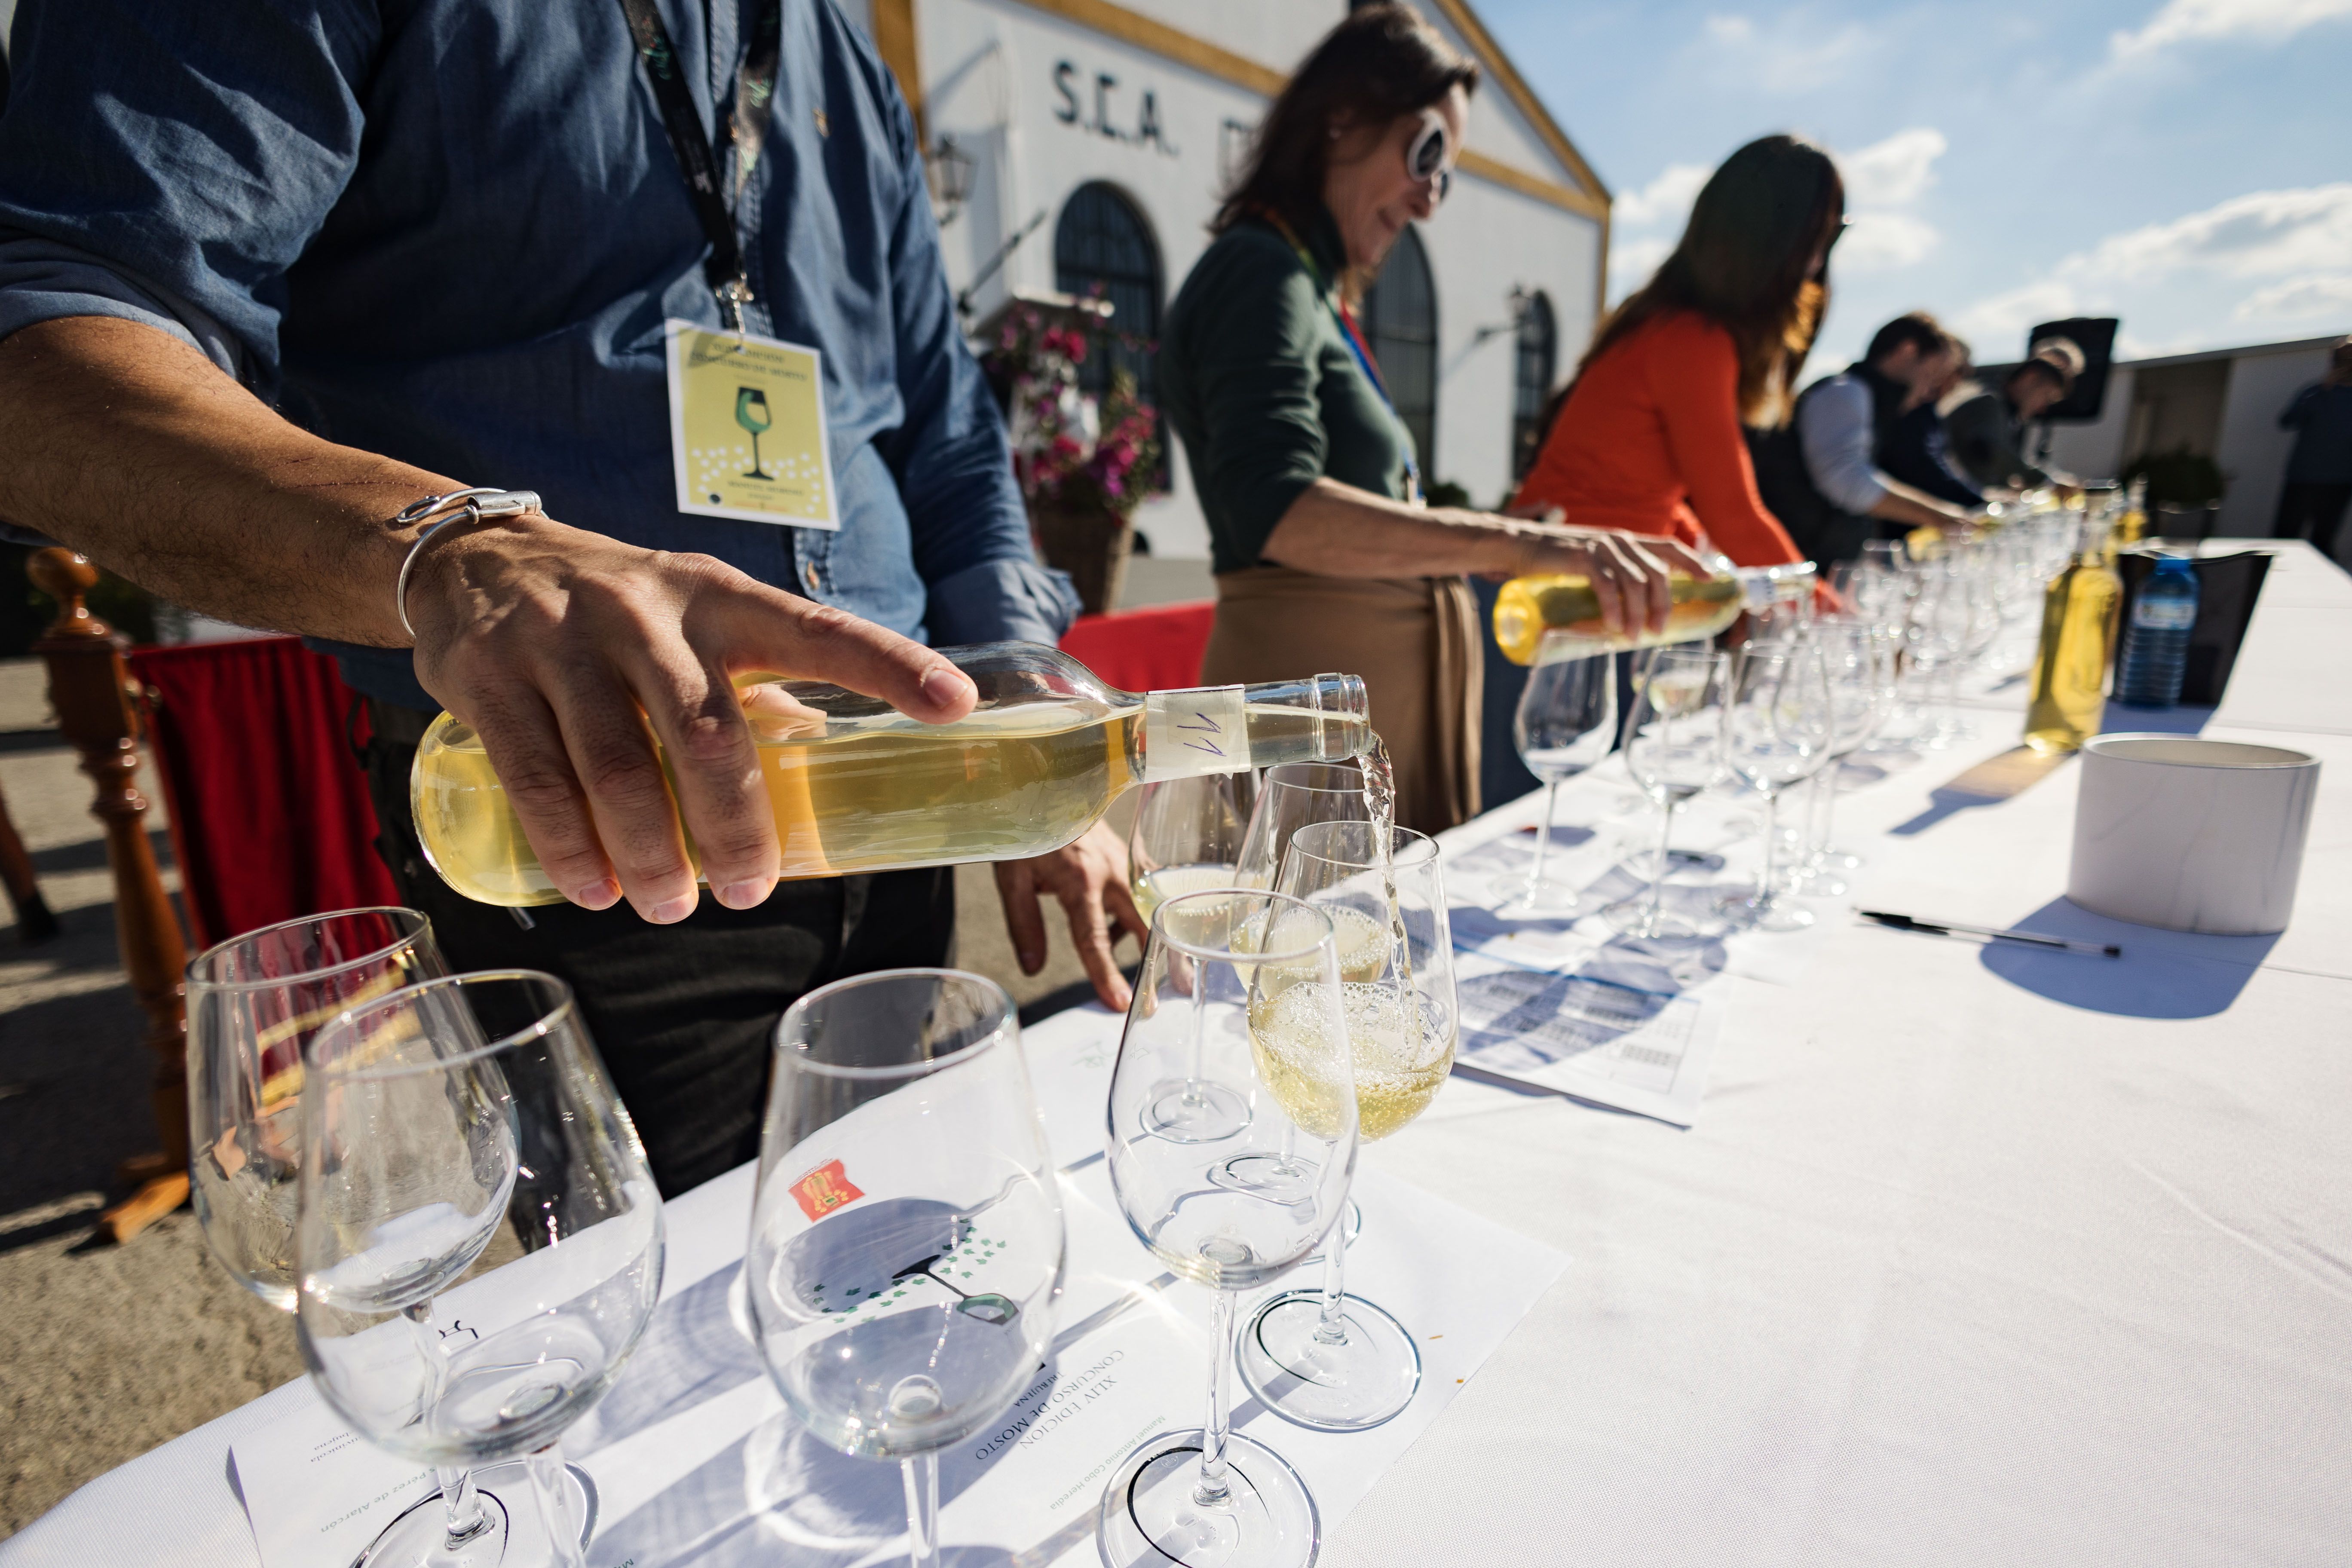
(552, 1489)
(460, 1504)
(1214, 1490)
(1551, 797)
(1332, 1328)
(1771, 847)
(1827, 782)
(922, 1475)
(1658, 877)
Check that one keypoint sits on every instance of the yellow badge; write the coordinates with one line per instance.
(747, 428)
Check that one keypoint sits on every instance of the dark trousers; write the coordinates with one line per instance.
(2312, 512)
(684, 1014)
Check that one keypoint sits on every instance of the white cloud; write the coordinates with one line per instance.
(1788, 59)
(2259, 235)
(1666, 199)
(1881, 242)
(2327, 294)
(1896, 172)
(1630, 262)
(2300, 238)
(1991, 325)
(2191, 21)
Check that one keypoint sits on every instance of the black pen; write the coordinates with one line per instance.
(1954, 927)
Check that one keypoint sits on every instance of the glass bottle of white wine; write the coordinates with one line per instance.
(857, 786)
(1527, 607)
(2067, 692)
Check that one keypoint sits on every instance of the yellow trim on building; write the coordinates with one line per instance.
(1169, 43)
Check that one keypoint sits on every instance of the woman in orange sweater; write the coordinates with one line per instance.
(1648, 437)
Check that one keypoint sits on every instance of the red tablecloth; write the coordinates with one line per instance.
(271, 817)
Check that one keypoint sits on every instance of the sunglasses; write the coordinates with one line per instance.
(1425, 156)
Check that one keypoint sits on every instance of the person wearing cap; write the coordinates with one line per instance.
(1985, 432)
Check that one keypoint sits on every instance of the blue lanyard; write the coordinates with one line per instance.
(1363, 355)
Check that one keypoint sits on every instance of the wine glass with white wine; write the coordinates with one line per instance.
(1322, 1357)
(1244, 991)
(1188, 836)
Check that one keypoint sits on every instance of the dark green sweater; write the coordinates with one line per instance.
(1258, 380)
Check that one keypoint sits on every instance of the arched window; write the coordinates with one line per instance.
(1102, 244)
(1535, 363)
(1401, 323)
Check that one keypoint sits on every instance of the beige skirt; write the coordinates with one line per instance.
(1414, 641)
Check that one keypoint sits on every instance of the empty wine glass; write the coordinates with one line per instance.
(1246, 990)
(1860, 664)
(1565, 724)
(254, 1002)
(907, 1242)
(433, 1116)
(1188, 836)
(1289, 796)
(1776, 729)
(1674, 749)
(1321, 1357)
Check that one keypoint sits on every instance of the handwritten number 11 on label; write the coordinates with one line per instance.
(1186, 733)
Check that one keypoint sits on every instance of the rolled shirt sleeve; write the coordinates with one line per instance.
(1833, 426)
(174, 176)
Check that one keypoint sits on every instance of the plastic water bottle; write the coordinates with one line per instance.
(2156, 644)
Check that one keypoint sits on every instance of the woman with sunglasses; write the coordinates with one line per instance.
(1326, 559)
(1649, 437)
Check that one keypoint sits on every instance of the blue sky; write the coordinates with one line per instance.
(2186, 165)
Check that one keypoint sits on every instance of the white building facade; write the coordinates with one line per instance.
(2223, 404)
(1112, 128)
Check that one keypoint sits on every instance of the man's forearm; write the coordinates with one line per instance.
(135, 449)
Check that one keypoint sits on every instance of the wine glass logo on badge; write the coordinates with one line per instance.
(752, 413)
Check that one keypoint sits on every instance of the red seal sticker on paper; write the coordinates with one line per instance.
(824, 1190)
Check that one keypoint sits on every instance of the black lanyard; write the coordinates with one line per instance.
(697, 157)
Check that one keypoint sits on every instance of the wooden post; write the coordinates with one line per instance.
(92, 691)
(35, 923)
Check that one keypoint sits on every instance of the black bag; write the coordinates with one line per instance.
(2227, 587)
(1825, 533)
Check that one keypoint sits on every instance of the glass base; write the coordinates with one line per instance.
(1526, 895)
(1269, 1176)
(1190, 1111)
(1769, 913)
(1684, 913)
(512, 1536)
(1150, 1516)
(1340, 1387)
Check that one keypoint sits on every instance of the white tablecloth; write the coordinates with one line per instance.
(1975, 1256)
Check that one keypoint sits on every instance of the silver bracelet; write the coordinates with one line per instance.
(463, 506)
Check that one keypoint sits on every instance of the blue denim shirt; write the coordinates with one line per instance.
(449, 231)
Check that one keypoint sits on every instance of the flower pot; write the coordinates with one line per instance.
(1091, 543)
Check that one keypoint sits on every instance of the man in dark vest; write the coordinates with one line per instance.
(1822, 477)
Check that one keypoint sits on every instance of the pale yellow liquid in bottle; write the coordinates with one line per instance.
(872, 793)
(1399, 1065)
(2070, 670)
(868, 794)
(1526, 607)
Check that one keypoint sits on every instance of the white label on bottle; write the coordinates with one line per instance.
(2164, 614)
(1187, 734)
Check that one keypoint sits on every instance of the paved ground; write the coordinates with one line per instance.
(106, 1352)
